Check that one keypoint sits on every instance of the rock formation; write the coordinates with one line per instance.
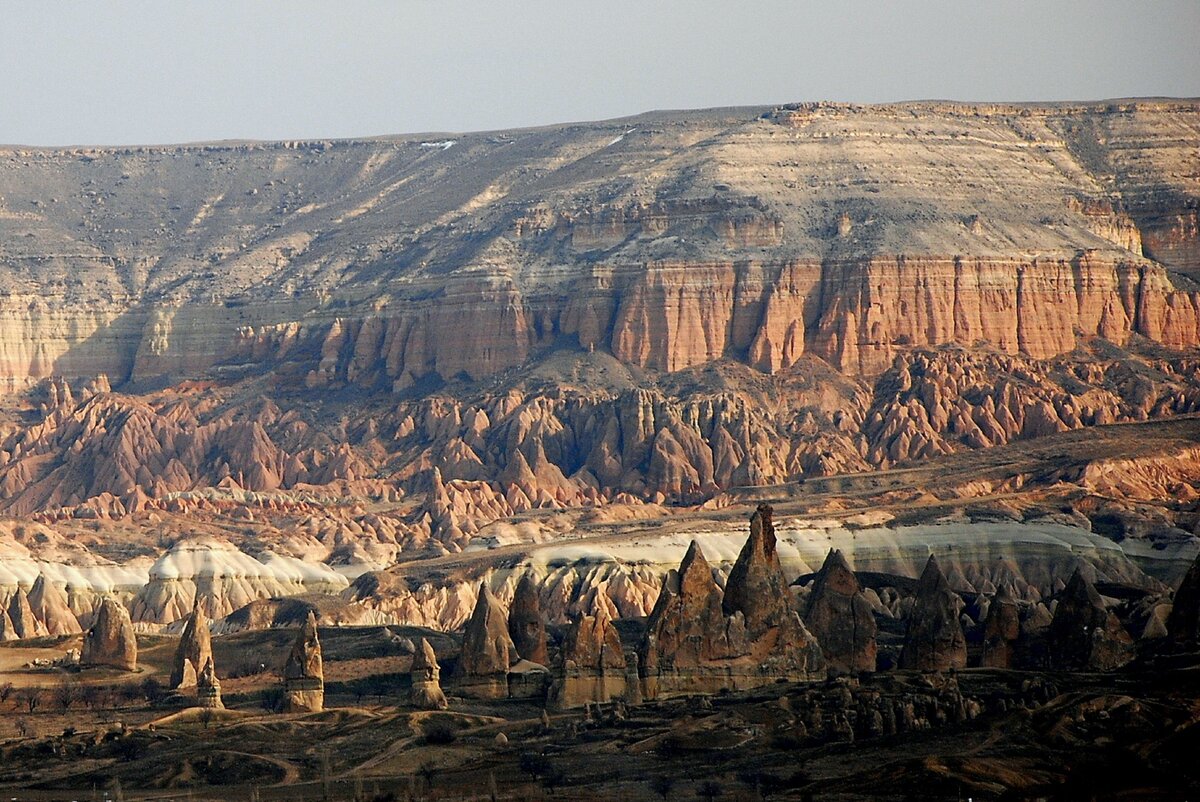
(24, 623)
(526, 624)
(426, 675)
(304, 674)
(194, 650)
(208, 687)
(487, 651)
(841, 618)
(591, 666)
(934, 639)
(1183, 624)
(699, 642)
(49, 605)
(1085, 635)
(111, 640)
(1001, 630)
(7, 632)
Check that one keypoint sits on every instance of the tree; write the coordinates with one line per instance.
(153, 690)
(428, 772)
(67, 692)
(662, 785)
(6, 691)
(23, 728)
(710, 790)
(31, 698)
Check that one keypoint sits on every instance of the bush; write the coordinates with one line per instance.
(440, 732)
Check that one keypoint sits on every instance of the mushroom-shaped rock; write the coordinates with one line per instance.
(303, 674)
(591, 665)
(1183, 624)
(487, 650)
(1085, 635)
(49, 604)
(111, 640)
(934, 640)
(526, 625)
(426, 679)
(208, 687)
(1001, 629)
(840, 617)
(24, 623)
(194, 650)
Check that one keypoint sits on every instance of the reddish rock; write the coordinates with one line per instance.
(1183, 624)
(111, 640)
(591, 666)
(526, 624)
(208, 687)
(698, 642)
(1085, 635)
(24, 623)
(193, 652)
(304, 673)
(487, 651)
(49, 604)
(840, 617)
(426, 675)
(934, 640)
(1001, 630)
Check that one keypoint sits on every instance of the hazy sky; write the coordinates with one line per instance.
(166, 71)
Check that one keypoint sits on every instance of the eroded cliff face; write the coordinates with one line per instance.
(760, 235)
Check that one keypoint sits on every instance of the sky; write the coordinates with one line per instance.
(107, 73)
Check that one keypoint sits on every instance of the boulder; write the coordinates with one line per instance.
(1085, 635)
(934, 639)
(49, 604)
(526, 624)
(111, 640)
(1001, 630)
(194, 650)
(487, 651)
(303, 674)
(426, 675)
(1183, 624)
(841, 618)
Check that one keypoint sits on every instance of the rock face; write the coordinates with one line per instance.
(1085, 635)
(1183, 624)
(759, 257)
(24, 623)
(194, 651)
(1001, 630)
(840, 617)
(304, 674)
(111, 640)
(699, 640)
(426, 674)
(208, 688)
(487, 651)
(50, 606)
(526, 624)
(591, 666)
(934, 639)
